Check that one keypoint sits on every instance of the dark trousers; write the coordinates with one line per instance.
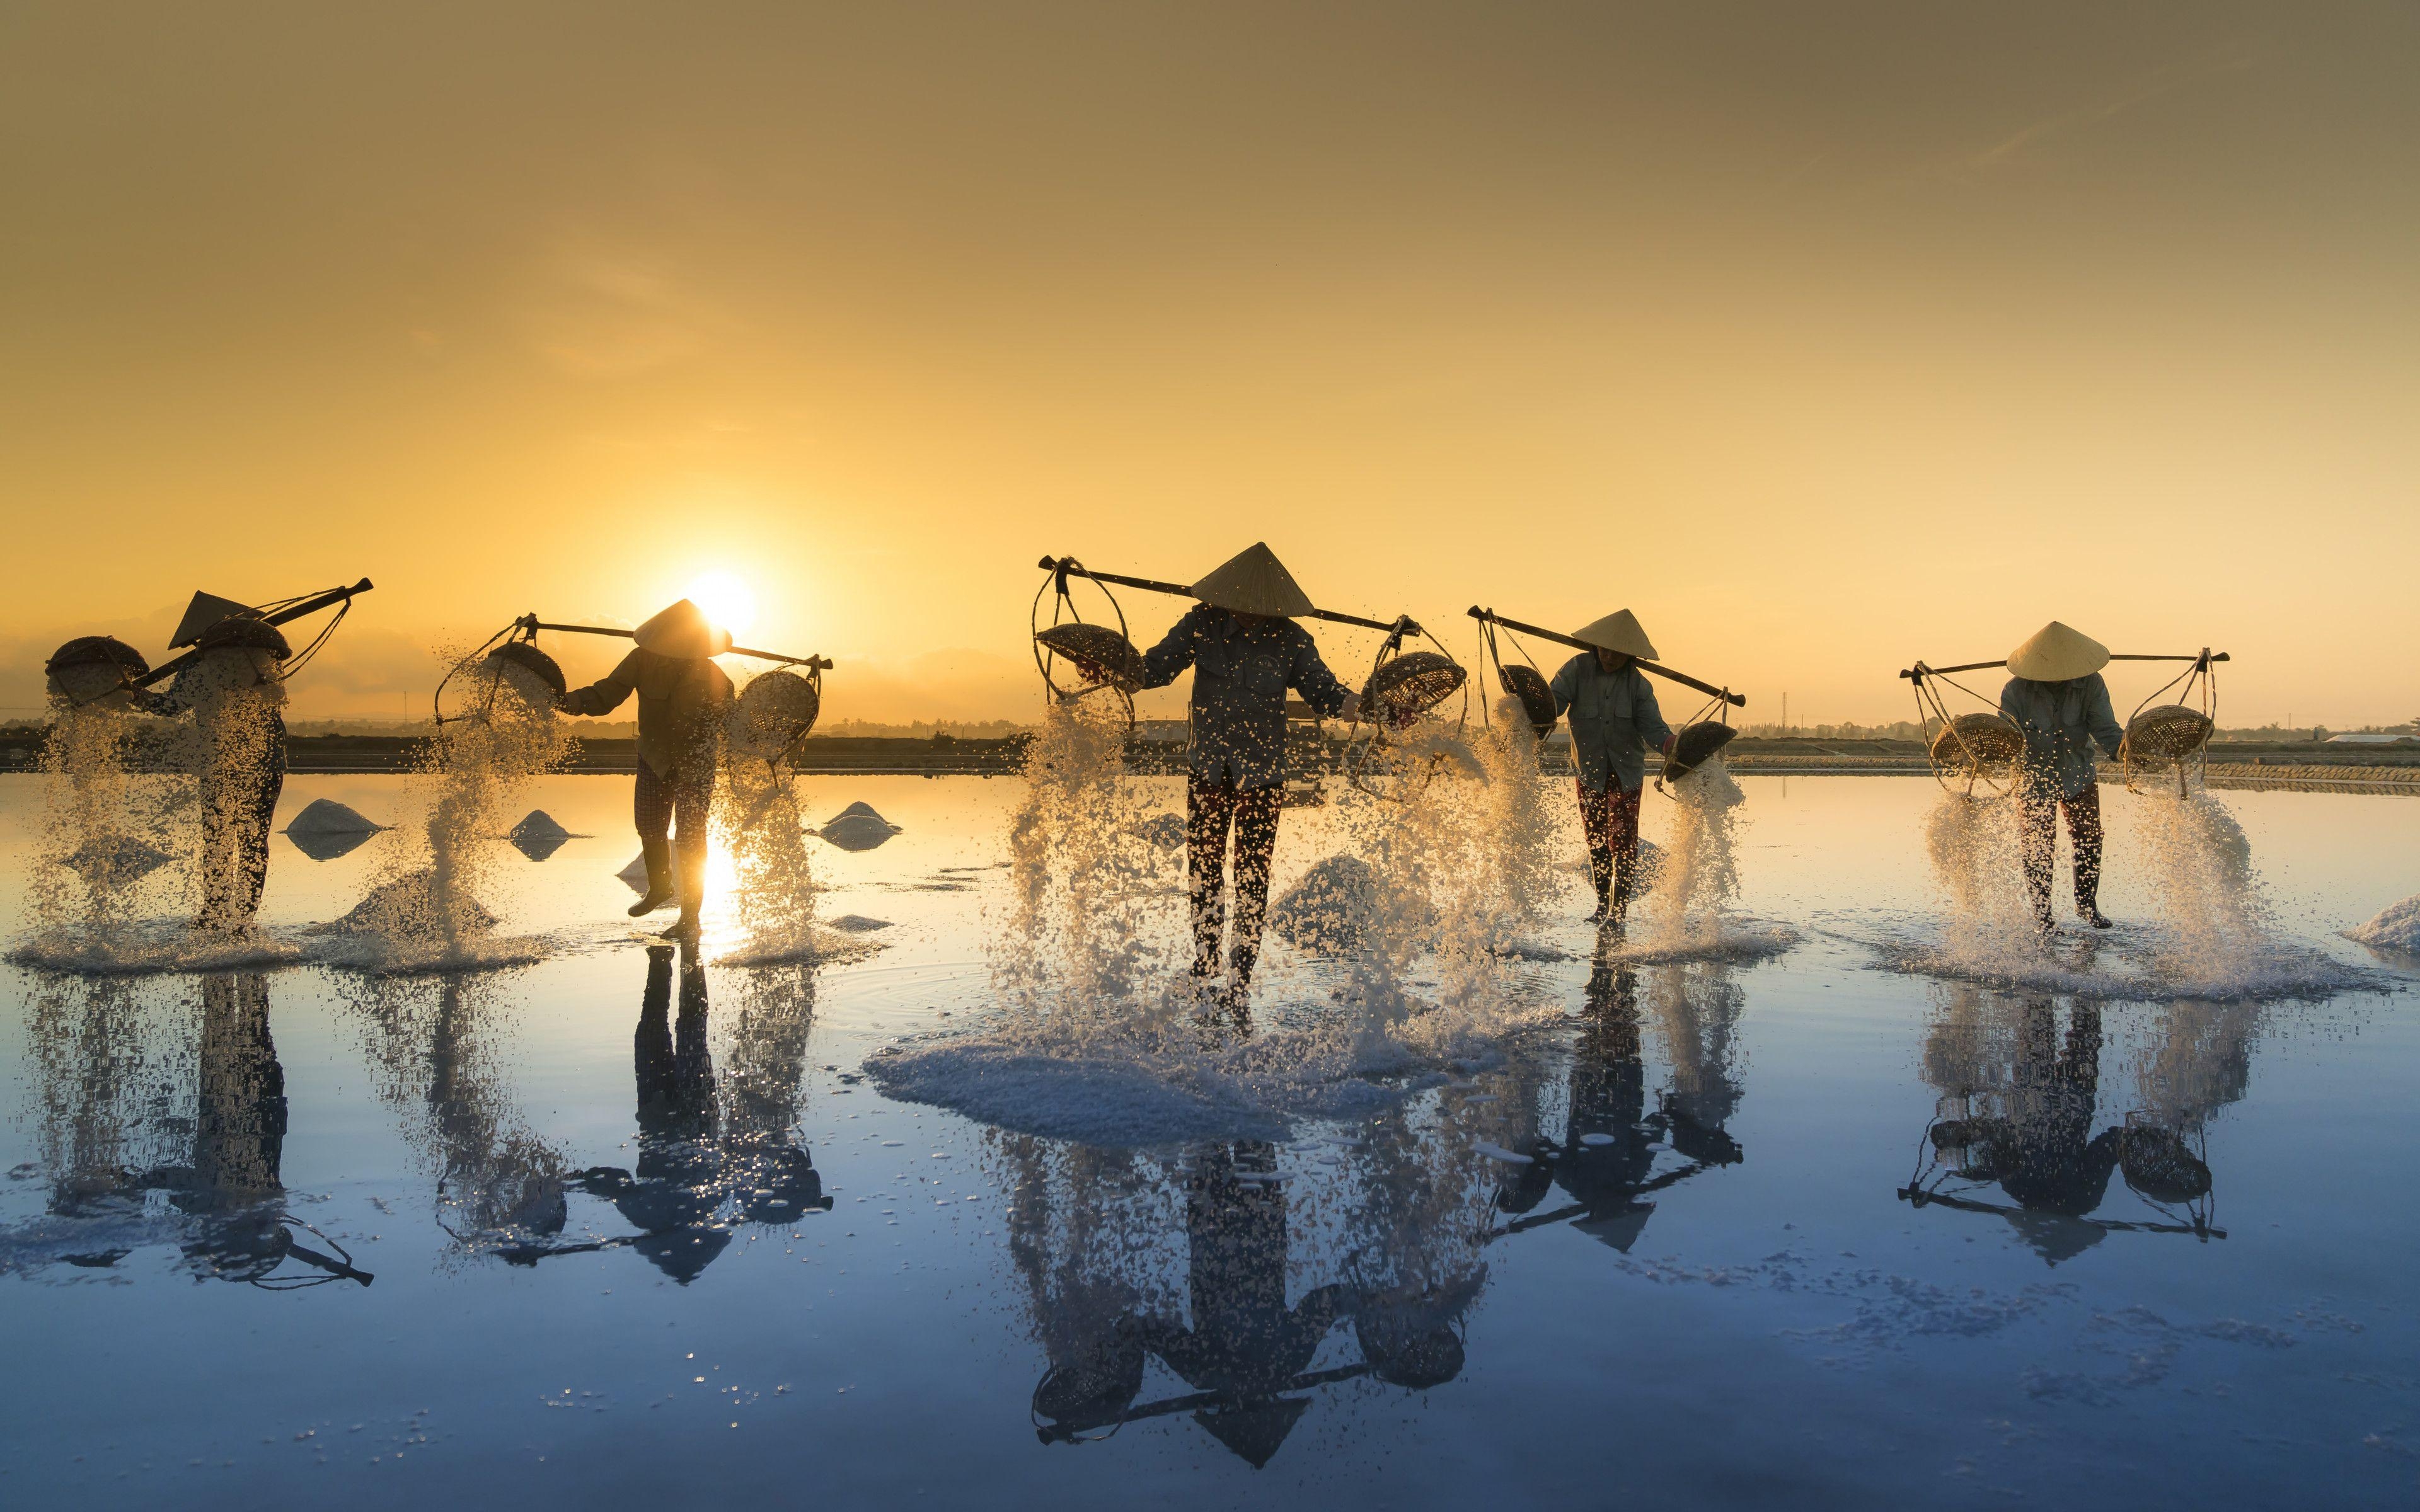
(1610, 818)
(686, 795)
(2038, 806)
(238, 801)
(1212, 809)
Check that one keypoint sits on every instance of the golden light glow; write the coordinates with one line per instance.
(727, 599)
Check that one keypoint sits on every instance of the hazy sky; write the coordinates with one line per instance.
(1823, 336)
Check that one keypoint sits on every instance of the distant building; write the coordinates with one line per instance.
(2370, 738)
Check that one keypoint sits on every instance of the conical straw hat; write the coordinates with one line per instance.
(1619, 632)
(2057, 654)
(1254, 581)
(683, 631)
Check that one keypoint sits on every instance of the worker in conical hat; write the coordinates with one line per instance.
(682, 696)
(1246, 652)
(1614, 719)
(235, 685)
(2056, 696)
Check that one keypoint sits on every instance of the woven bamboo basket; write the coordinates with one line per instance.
(1101, 656)
(1695, 746)
(1406, 687)
(92, 665)
(2165, 735)
(772, 714)
(1979, 740)
(1529, 684)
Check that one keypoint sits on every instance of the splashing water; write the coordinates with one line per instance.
(425, 911)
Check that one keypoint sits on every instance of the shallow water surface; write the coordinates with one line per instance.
(620, 1228)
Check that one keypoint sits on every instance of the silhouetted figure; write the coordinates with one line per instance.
(1614, 719)
(237, 693)
(1245, 651)
(2057, 700)
(682, 695)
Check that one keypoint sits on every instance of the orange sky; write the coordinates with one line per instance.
(1823, 337)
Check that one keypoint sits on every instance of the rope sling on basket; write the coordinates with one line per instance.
(1402, 686)
(1985, 745)
(1695, 743)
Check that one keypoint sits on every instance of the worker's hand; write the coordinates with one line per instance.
(1670, 741)
(1352, 710)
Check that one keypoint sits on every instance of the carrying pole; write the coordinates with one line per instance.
(1921, 671)
(1488, 616)
(291, 613)
(531, 623)
(1404, 624)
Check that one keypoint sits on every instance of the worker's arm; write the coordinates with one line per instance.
(2101, 718)
(1648, 715)
(1309, 677)
(607, 693)
(1566, 685)
(1163, 662)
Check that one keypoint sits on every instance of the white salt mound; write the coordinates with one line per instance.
(539, 825)
(408, 907)
(325, 816)
(1331, 908)
(2396, 928)
(636, 872)
(859, 924)
(858, 827)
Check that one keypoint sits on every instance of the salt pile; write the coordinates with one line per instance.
(858, 827)
(537, 836)
(538, 824)
(1329, 909)
(326, 816)
(2396, 928)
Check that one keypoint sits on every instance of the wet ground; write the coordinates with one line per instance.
(623, 1229)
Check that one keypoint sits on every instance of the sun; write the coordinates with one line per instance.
(727, 600)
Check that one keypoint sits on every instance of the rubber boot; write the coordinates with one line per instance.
(1601, 873)
(658, 857)
(692, 896)
(2088, 907)
(1617, 909)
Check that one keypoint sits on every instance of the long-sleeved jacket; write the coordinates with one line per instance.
(1614, 719)
(2061, 722)
(1240, 676)
(680, 707)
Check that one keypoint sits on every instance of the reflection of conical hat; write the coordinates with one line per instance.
(1619, 631)
(2057, 654)
(1254, 581)
(682, 631)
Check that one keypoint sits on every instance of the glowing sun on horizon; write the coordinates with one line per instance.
(727, 599)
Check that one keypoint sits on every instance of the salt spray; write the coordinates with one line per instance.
(1971, 840)
(116, 845)
(1700, 873)
(762, 829)
(2195, 862)
(425, 909)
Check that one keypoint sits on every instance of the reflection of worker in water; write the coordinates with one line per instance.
(2057, 697)
(237, 693)
(1246, 1344)
(1614, 719)
(682, 696)
(1245, 651)
(688, 1166)
(2041, 1147)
